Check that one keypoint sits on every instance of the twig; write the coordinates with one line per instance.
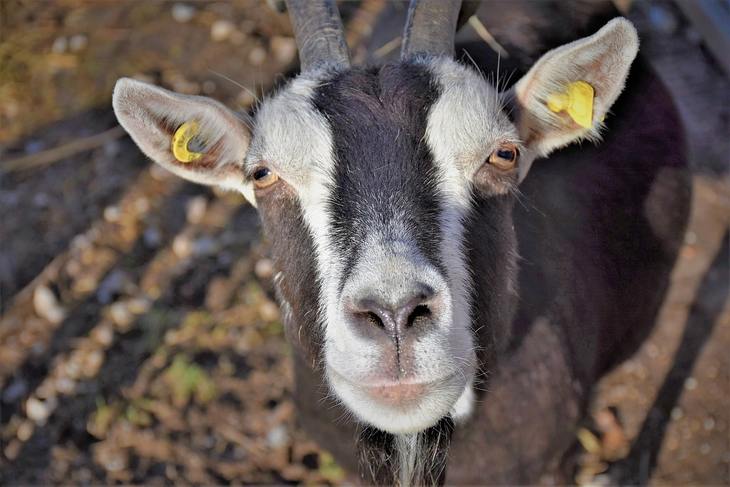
(487, 37)
(50, 156)
(387, 48)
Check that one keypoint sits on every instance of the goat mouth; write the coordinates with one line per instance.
(397, 393)
(399, 406)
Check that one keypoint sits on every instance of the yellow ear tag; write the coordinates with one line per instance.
(180, 140)
(577, 100)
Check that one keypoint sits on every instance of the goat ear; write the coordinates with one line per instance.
(195, 137)
(566, 94)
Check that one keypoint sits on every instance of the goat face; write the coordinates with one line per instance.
(358, 169)
(386, 195)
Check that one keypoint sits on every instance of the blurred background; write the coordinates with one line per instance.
(138, 343)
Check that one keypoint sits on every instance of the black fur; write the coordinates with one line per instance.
(292, 250)
(384, 171)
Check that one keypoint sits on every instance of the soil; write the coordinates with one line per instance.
(138, 342)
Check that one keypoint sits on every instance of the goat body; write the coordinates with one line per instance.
(598, 230)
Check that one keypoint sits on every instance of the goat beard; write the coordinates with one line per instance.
(409, 459)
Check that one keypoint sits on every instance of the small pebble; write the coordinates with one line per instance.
(182, 246)
(221, 30)
(245, 98)
(11, 451)
(113, 459)
(73, 367)
(139, 306)
(112, 214)
(80, 242)
(142, 205)
(152, 237)
(257, 56)
(93, 362)
(277, 437)
(196, 209)
(705, 448)
(37, 410)
(64, 385)
(677, 414)
(690, 384)
(182, 13)
(269, 311)
(284, 49)
(25, 431)
(217, 295)
(103, 335)
(264, 268)
(85, 284)
(121, 315)
(46, 305)
(78, 42)
(59, 45)
(709, 424)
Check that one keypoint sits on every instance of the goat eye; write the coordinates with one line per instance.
(504, 158)
(263, 177)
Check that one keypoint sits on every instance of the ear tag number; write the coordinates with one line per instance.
(577, 100)
(181, 141)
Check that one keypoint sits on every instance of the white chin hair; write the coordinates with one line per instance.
(393, 419)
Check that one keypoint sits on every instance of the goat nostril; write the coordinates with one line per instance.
(370, 313)
(373, 319)
(419, 314)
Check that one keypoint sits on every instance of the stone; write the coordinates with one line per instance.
(221, 30)
(257, 56)
(284, 49)
(37, 410)
(78, 42)
(182, 13)
(46, 305)
(195, 211)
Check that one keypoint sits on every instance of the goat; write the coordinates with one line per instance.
(448, 301)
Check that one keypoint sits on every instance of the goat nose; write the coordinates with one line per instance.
(414, 309)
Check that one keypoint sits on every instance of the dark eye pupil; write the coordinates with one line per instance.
(260, 173)
(506, 154)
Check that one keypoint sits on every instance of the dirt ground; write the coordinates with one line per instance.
(137, 341)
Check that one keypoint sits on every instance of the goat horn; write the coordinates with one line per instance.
(430, 28)
(319, 33)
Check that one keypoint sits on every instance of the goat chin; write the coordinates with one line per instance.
(450, 396)
(405, 459)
